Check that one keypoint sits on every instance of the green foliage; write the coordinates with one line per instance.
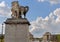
(2, 38)
(58, 38)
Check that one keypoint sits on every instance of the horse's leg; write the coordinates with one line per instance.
(20, 15)
(24, 15)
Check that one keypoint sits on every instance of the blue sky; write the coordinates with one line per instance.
(35, 8)
(39, 11)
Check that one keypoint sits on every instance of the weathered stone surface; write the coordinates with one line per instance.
(16, 30)
(17, 21)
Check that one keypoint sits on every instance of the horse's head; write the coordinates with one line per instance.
(26, 8)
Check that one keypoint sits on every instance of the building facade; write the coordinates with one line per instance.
(47, 37)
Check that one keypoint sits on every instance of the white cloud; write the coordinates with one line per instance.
(50, 23)
(4, 10)
(2, 4)
(4, 13)
(57, 12)
(50, 1)
(54, 1)
(41, 0)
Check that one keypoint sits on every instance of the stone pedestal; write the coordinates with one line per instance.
(16, 30)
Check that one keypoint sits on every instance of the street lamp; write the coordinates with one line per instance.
(2, 36)
(2, 28)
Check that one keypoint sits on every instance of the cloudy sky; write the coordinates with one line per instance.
(44, 15)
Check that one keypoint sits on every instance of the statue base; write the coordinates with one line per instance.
(16, 30)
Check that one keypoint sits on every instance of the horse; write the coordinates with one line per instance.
(23, 10)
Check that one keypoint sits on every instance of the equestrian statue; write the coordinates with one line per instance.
(18, 11)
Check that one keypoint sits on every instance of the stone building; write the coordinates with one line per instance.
(48, 37)
(54, 38)
(32, 39)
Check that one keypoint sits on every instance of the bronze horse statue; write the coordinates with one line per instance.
(18, 11)
(23, 10)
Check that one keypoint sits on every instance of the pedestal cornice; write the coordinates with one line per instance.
(17, 21)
